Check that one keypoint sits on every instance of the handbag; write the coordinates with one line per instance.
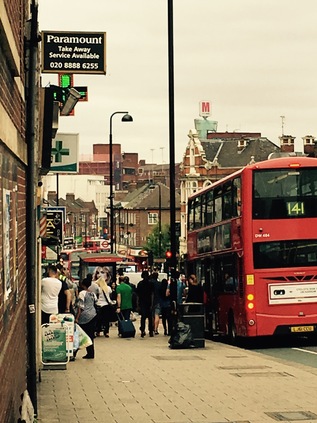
(114, 306)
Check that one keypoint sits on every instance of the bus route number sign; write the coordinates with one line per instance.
(73, 52)
(295, 208)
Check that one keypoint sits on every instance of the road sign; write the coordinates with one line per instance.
(65, 153)
(104, 244)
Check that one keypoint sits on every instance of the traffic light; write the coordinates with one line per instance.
(168, 260)
(168, 255)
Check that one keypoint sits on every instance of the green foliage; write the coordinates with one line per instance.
(152, 243)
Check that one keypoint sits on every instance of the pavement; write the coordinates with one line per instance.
(142, 380)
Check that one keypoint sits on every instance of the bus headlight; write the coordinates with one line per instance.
(251, 322)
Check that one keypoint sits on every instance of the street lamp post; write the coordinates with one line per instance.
(171, 129)
(125, 118)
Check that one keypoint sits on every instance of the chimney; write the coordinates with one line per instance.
(51, 196)
(309, 144)
(70, 197)
(132, 186)
(287, 143)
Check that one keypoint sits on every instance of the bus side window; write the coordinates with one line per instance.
(191, 215)
(218, 209)
(236, 202)
(203, 211)
(209, 208)
(197, 222)
(227, 204)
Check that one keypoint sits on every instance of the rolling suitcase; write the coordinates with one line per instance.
(125, 327)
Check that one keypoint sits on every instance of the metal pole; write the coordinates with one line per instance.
(86, 227)
(171, 131)
(111, 182)
(112, 234)
(160, 222)
(57, 189)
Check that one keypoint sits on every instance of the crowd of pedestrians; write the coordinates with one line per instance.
(99, 300)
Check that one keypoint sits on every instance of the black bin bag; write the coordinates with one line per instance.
(181, 337)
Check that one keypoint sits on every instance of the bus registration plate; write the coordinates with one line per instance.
(302, 329)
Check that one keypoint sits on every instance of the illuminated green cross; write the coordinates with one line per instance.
(59, 151)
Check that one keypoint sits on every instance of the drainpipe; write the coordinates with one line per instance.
(31, 184)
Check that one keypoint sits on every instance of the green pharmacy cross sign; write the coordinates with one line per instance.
(59, 151)
(64, 153)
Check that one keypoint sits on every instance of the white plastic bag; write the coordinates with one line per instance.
(84, 340)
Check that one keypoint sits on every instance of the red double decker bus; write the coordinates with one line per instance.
(252, 242)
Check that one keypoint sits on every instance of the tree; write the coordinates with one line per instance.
(152, 243)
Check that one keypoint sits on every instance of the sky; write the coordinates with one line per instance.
(254, 60)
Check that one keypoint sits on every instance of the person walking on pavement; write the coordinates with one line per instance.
(165, 304)
(87, 315)
(124, 298)
(64, 296)
(156, 301)
(195, 290)
(175, 292)
(145, 292)
(105, 305)
(50, 288)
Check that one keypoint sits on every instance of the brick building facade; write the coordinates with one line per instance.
(13, 177)
(125, 165)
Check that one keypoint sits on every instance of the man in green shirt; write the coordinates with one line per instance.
(124, 297)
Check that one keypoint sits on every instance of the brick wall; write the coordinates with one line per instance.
(13, 336)
(13, 302)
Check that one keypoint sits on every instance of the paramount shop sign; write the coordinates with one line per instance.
(73, 52)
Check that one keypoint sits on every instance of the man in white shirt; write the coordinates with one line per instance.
(50, 288)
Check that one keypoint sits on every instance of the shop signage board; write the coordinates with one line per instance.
(65, 148)
(54, 344)
(55, 224)
(68, 320)
(73, 52)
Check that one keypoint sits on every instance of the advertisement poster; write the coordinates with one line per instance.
(69, 320)
(54, 344)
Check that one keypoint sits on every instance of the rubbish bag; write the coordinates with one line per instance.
(84, 340)
(76, 338)
(181, 337)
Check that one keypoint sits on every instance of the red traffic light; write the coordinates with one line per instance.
(168, 254)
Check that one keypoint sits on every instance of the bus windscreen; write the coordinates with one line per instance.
(282, 254)
(285, 193)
